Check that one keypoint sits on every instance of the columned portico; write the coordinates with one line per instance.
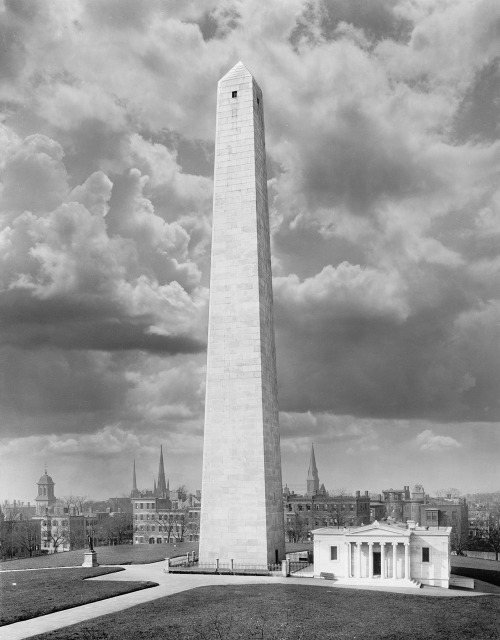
(362, 555)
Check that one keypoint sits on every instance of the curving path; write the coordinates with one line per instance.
(168, 584)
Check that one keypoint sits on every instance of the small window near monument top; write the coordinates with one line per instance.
(258, 100)
(234, 94)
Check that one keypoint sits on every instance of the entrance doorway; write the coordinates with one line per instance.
(377, 563)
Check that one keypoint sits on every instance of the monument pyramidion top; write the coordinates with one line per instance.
(238, 71)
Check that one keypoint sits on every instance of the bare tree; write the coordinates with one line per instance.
(296, 528)
(492, 533)
(11, 511)
(166, 520)
(27, 535)
(458, 542)
(56, 534)
(193, 528)
(118, 528)
(7, 542)
(74, 501)
(338, 509)
(181, 523)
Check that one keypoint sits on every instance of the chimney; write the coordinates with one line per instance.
(366, 494)
(358, 494)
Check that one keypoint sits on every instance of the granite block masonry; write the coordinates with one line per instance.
(242, 511)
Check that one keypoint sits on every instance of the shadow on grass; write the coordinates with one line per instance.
(485, 575)
(30, 594)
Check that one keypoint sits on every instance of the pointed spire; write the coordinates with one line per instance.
(162, 485)
(312, 475)
(134, 493)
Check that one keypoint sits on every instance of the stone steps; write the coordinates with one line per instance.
(373, 582)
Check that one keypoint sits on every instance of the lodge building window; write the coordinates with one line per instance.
(425, 554)
(333, 553)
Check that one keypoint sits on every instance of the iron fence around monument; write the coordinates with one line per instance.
(223, 568)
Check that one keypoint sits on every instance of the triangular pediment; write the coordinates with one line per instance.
(376, 528)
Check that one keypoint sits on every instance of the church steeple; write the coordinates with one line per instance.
(134, 493)
(161, 485)
(312, 475)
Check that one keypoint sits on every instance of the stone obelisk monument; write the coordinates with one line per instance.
(242, 510)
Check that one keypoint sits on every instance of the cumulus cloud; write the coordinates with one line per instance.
(429, 441)
(383, 153)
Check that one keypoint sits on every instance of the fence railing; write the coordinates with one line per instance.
(298, 569)
(190, 564)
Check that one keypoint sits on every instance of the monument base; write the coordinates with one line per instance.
(90, 559)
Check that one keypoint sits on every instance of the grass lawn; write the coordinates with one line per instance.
(28, 594)
(119, 554)
(295, 612)
(485, 570)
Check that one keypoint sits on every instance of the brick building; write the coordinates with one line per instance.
(160, 516)
(317, 508)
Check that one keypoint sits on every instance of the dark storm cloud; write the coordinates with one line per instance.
(47, 390)
(13, 51)
(91, 146)
(342, 359)
(70, 324)
(377, 18)
(357, 162)
(478, 117)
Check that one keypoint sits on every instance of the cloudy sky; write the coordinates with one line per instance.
(383, 142)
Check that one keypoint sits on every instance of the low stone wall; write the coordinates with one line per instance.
(484, 555)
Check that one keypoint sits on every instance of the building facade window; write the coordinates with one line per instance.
(426, 554)
(333, 553)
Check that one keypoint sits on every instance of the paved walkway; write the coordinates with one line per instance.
(170, 583)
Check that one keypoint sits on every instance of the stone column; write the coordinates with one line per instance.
(394, 561)
(348, 563)
(383, 569)
(370, 559)
(407, 560)
(358, 568)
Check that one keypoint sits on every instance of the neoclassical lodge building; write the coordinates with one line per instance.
(380, 554)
